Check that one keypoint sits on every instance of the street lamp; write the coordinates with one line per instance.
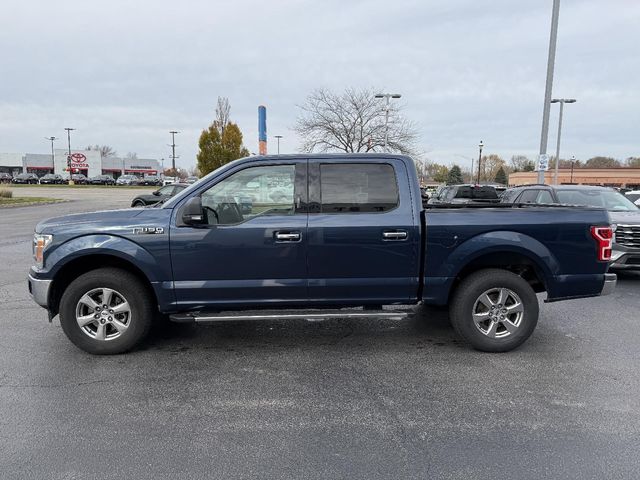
(573, 160)
(561, 101)
(480, 145)
(551, 60)
(53, 158)
(173, 149)
(278, 137)
(387, 107)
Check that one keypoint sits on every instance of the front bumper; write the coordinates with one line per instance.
(39, 290)
(625, 260)
(610, 280)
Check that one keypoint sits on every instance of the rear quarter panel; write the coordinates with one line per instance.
(556, 240)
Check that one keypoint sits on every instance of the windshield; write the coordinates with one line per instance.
(596, 198)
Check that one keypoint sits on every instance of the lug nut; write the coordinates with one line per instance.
(110, 318)
(96, 316)
(102, 321)
(97, 309)
(110, 311)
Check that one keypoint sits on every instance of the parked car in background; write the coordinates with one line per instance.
(169, 180)
(52, 179)
(128, 180)
(634, 196)
(25, 178)
(5, 178)
(102, 180)
(159, 195)
(624, 214)
(191, 179)
(79, 179)
(152, 180)
(456, 194)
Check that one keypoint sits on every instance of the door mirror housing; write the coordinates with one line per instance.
(192, 213)
(156, 193)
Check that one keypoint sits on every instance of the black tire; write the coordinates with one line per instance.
(138, 204)
(492, 335)
(137, 295)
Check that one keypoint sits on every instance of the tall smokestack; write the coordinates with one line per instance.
(262, 130)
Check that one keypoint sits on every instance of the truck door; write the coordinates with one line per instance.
(363, 235)
(252, 248)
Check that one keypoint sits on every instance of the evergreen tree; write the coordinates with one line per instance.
(501, 177)
(455, 176)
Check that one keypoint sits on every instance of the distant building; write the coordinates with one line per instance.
(87, 162)
(607, 177)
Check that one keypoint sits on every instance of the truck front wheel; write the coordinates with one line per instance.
(106, 311)
(494, 310)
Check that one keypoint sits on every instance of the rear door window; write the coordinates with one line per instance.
(358, 188)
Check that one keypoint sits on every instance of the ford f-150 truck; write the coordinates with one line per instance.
(314, 236)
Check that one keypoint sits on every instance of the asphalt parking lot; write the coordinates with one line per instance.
(334, 399)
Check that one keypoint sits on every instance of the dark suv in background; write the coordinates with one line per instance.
(623, 213)
(455, 194)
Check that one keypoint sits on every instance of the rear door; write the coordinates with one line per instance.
(363, 238)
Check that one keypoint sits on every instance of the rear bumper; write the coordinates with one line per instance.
(39, 290)
(610, 280)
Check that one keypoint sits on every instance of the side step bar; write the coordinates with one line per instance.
(232, 316)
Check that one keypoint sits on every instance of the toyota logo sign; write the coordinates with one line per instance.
(79, 160)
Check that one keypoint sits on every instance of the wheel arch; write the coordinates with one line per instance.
(86, 263)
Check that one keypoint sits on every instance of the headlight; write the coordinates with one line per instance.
(40, 242)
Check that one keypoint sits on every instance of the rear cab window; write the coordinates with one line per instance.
(349, 188)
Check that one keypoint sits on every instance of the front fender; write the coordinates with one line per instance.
(104, 244)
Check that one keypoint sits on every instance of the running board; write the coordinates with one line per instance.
(232, 316)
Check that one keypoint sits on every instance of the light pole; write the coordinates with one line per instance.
(387, 107)
(278, 137)
(549, 85)
(573, 160)
(53, 158)
(561, 101)
(173, 149)
(480, 145)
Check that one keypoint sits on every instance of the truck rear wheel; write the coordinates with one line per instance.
(106, 311)
(494, 310)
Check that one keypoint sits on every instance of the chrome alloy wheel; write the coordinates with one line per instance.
(103, 314)
(498, 312)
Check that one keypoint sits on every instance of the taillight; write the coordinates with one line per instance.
(604, 237)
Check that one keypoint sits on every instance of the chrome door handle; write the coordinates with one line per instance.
(288, 236)
(396, 235)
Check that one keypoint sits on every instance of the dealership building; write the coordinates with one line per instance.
(88, 162)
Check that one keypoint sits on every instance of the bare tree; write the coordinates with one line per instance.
(223, 109)
(353, 121)
(105, 150)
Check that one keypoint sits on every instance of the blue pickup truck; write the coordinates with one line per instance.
(314, 236)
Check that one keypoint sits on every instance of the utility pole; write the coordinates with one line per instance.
(480, 145)
(549, 87)
(278, 137)
(53, 158)
(387, 107)
(561, 101)
(69, 155)
(573, 160)
(173, 149)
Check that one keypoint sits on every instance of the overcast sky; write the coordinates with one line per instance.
(124, 73)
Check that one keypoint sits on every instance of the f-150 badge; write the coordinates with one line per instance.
(149, 230)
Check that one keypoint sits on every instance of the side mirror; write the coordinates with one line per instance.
(192, 212)
(156, 193)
